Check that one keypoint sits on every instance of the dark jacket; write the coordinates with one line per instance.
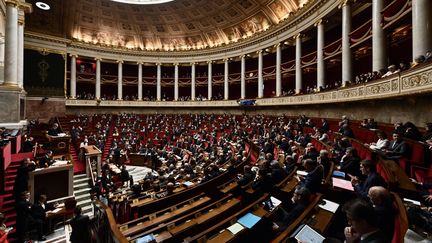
(373, 179)
(80, 229)
(313, 179)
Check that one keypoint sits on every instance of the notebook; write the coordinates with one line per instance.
(235, 228)
(249, 220)
(341, 183)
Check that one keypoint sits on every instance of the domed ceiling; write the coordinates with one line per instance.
(171, 26)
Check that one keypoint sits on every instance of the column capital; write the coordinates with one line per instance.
(73, 55)
(158, 64)
(98, 59)
(298, 35)
(243, 56)
(226, 59)
(259, 51)
(119, 61)
(209, 62)
(321, 21)
(140, 62)
(25, 7)
(193, 63)
(176, 64)
(345, 2)
(14, 3)
(277, 45)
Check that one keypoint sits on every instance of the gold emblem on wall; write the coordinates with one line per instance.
(43, 69)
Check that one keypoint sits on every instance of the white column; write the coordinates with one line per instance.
(260, 75)
(193, 79)
(140, 80)
(421, 27)
(347, 72)
(209, 79)
(379, 49)
(176, 81)
(278, 70)
(320, 55)
(226, 77)
(20, 51)
(158, 82)
(243, 77)
(73, 77)
(98, 79)
(11, 44)
(120, 80)
(298, 65)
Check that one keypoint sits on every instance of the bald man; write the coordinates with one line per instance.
(382, 202)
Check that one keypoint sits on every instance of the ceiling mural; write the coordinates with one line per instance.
(173, 26)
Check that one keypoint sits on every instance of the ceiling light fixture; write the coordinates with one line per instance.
(143, 1)
(43, 6)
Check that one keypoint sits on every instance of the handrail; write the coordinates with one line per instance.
(118, 236)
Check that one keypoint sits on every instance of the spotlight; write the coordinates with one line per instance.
(43, 6)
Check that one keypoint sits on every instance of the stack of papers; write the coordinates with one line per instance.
(249, 220)
(301, 173)
(146, 239)
(235, 228)
(344, 184)
(307, 234)
(329, 206)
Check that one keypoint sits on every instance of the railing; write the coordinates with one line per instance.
(105, 227)
(414, 81)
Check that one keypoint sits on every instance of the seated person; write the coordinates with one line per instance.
(397, 148)
(363, 223)
(277, 173)
(383, 206)
(46, 160)
(287, 214)
(247, 177)
(324, 160)
(368, 169)
(28, 145)
(350, 162)
(312, 181)
(25, 221)
(54, 130)
(382, 142)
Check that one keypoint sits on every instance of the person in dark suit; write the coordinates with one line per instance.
(294, 208)
(46, 160)
(54, 130)
(367, 168)
(28, 145)
(383, 205)
(397, 148)
(277, 173)
(80, 227)
(25, 221)
(124, 175)
(363, 223)
(350, 162)
(21, 180)
(312, 181)
(247, 177)
(40, 210)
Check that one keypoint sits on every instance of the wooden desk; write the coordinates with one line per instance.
(400, 177)
(290, 186)
(178, 229)
(228, 188)
(203, 218)
(41, 182)
(138, 159)
(223, 236)
(59, 144)
(163, 236)
(321, 220)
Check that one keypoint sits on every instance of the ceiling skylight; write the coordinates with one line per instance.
(143, 1)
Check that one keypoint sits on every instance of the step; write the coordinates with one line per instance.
(10, 177)
(77, 187)
(80, 181)
(82, 197)
(82, 191)
(87, 209)
(84, 202)
(80, 176)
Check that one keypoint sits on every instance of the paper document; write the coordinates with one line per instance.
(307, 234)
(249, 220)
(235, 228)
(329, 206)
(301, 173)
(412, 201)
(341, 183)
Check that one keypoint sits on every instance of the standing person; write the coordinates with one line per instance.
(21, 180)
(80, 227)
